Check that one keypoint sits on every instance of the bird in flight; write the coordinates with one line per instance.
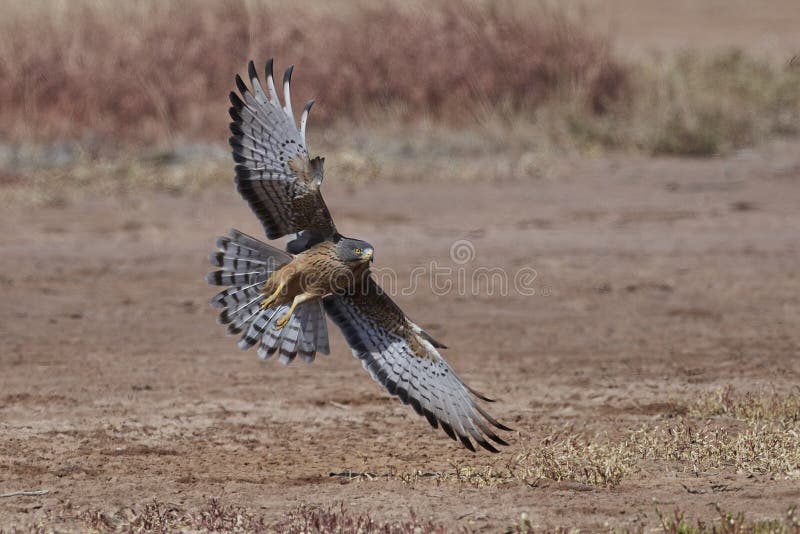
(278, 299)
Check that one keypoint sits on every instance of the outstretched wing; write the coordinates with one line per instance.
(402, 357)
(273, 171)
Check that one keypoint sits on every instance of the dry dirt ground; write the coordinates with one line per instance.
(658, 281)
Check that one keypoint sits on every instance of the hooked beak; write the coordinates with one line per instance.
(368, 255)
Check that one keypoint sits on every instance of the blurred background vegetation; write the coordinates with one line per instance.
(404, 91)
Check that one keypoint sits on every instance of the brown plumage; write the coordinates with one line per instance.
(278, 300)
(324, 269)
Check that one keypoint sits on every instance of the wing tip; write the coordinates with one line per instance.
(467, 443)
(236, 101)
(491, 419)
(488, 446)
(251, 70)
(448, 430)
(481, 395)
(287, 76)
(241, 85)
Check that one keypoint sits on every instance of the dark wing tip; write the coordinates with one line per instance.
(488, 446)
(268, 68)
(480, 395)
(241, 85)
(308, 105)
(467, 443)
(497, 439)
(236, 128)
(448, 430)
(431, 418)
(251, 70)
(287, 76)
(236, 102)
(491, 419)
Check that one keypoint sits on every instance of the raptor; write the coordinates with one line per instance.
(278, 300)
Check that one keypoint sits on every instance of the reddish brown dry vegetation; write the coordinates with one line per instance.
(150, 72)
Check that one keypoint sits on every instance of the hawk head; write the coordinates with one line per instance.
(354, 250)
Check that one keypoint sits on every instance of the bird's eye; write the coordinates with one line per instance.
(358, 251)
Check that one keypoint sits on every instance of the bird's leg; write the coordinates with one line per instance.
(298, 300)
(266, 303)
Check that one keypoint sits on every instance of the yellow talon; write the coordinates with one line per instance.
(266, 303)
(298, 300)
(269, 301)
(281, 322)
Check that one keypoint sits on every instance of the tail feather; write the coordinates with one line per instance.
(300, 336)
(238, 318)
(235, 295)
(307, 348)
(239, 240)
(237, 264)
(259, 326)
(227, 278)
(321, 334)
(289, 338)
(246, 264)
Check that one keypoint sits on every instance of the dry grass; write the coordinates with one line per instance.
(726, 402)
(698, 105)
(561, 456)
(756, 448)
(683, 445)
(676, 522)
(151, 71)
(527, 75)
(730, 523)
(217, 517)
(37, 184)
(558, 457)
(725, 434)
(59, 173)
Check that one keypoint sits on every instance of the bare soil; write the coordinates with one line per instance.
(657, 281)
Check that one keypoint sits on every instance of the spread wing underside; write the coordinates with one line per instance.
(399, 356)
(273, 171)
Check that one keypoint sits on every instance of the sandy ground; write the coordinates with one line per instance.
(657, 281)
